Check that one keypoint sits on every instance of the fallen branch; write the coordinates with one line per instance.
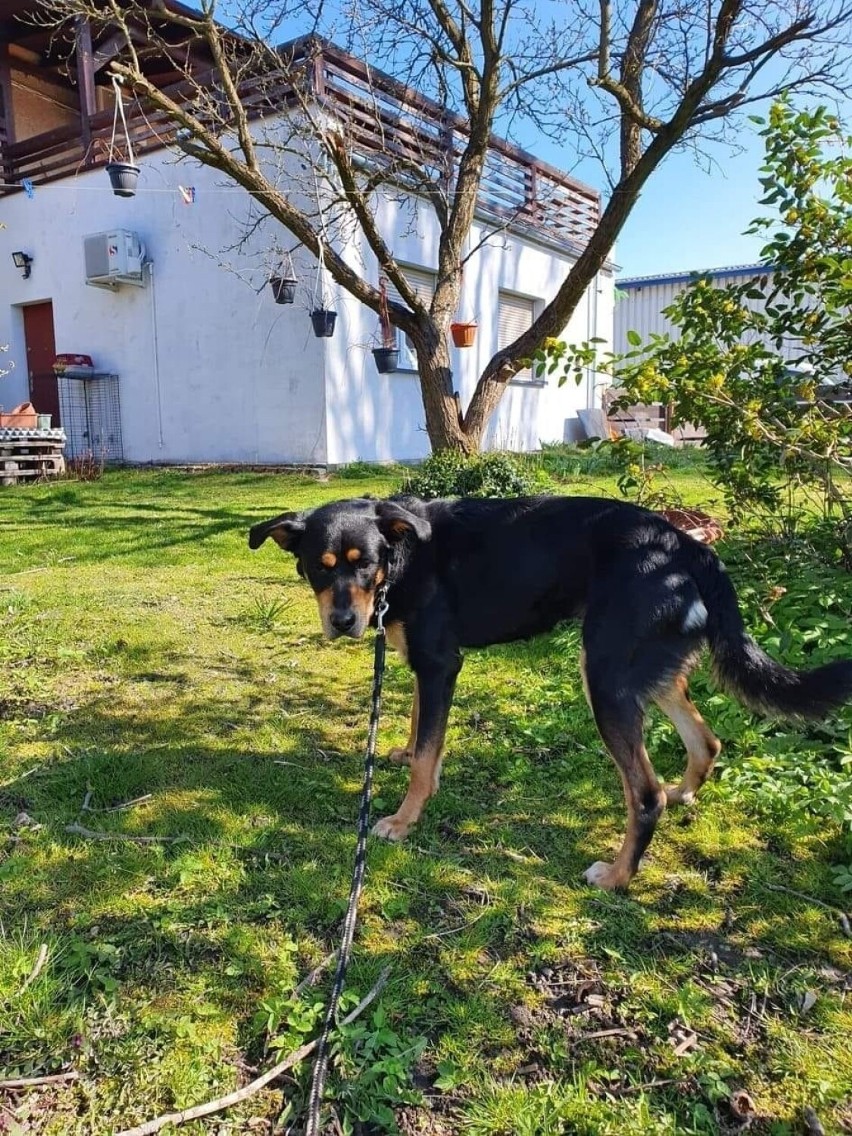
(841, 915)
(256, 1085)
(33, 1082)
(311, 979)
(90, 834)
(621, 1090)
(36, 970)
(116, 808)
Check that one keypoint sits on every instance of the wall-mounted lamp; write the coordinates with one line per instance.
(23, 260)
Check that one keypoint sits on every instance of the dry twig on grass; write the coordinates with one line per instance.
(37, 968)
(841, 915)
(34, 1082)
(221, 1103)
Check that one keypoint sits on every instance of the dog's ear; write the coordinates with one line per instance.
(395, 522)
(286, 530)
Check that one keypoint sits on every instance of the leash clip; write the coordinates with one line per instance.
(381, 609)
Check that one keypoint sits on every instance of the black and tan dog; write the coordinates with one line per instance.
(467, 573)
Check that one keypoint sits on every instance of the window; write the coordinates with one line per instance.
(515, 316)
(423, 283)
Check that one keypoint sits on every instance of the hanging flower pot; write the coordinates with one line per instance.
(387, 359)
(463, 334)
(323, 321)
(322, 317)
(283, 282)
(123, 177)
(387, 352)
(283, 289)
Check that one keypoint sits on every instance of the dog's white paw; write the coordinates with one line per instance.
(399, 755)
(391, 828)
(604, 876)
(677, 796)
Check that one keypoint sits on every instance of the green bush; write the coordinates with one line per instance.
(450, 474)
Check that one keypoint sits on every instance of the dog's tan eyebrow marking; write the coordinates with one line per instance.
(328, 559)
(353, 554)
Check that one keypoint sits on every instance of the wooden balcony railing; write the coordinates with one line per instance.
(385, 122)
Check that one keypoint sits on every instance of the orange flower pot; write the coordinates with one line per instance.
(463, 334)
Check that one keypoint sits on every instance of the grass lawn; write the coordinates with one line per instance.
(159, 680)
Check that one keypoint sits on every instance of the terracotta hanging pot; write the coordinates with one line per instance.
(463, 334)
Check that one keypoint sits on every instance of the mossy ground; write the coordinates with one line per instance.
(147, 656)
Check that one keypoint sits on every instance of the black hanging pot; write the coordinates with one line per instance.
(323, 321)
(284, 289)
(123, 177)
(387, 359)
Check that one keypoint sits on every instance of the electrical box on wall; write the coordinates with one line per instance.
(114, 258)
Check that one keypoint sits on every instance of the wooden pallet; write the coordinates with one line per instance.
(23, 458)
(636, 420)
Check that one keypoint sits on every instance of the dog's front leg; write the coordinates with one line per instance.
(401, 755)
(434, 696)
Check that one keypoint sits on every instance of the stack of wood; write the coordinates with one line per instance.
(30, 453)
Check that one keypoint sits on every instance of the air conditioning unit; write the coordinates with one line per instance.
(114, 258)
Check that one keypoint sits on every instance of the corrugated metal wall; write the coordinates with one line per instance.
(640, 302)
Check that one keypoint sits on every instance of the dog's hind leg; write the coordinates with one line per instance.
(702, 745)
(619, 717)
(401, 755)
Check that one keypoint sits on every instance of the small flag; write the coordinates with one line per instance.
(29, 188)
(187, 192)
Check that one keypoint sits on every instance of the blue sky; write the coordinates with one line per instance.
(689, 216)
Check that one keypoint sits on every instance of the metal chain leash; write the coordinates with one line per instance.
(312, 1127)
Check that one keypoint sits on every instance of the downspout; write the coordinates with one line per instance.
(149, 264)
(591, 333)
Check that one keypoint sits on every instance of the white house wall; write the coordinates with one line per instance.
(212, 370)
(374, 417)
(234, 378)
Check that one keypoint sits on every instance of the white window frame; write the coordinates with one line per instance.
(423, 281)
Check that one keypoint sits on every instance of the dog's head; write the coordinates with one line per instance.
(343, 550)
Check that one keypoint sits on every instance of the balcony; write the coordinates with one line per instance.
(385, 122)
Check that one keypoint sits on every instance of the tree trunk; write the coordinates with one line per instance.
(500, 368)
(443, 413)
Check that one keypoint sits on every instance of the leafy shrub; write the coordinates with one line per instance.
(801, 612)
(752, 362)
(450, 474)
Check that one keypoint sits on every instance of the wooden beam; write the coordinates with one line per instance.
(85, 78)
(7, 117)
(114, 45)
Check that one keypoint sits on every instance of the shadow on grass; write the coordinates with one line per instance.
(263, 782)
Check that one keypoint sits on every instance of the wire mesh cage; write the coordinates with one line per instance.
(91, 416)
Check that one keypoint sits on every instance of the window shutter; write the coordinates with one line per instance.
(515, 316)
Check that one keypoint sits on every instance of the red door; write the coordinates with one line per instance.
(41, 353)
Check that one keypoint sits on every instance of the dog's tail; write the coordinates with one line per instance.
(747, 672)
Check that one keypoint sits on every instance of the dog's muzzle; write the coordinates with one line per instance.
(344, 623)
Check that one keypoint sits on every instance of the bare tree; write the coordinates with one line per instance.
(626, 80)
